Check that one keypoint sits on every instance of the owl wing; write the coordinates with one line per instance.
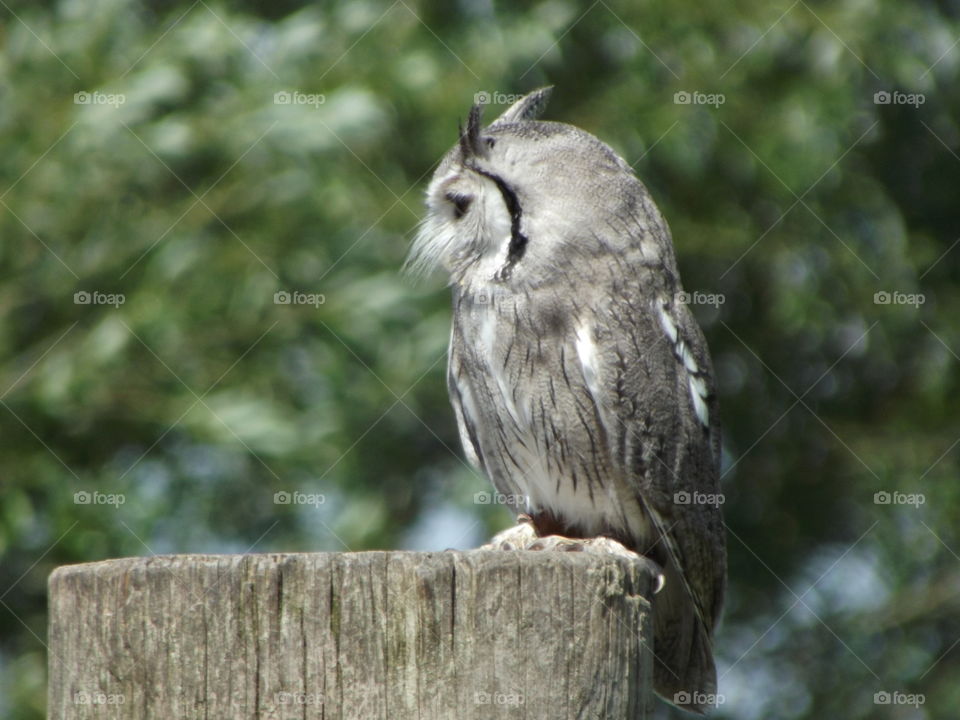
(653, 385)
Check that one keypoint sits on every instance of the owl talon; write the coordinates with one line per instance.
(519, 536)
(608, 545)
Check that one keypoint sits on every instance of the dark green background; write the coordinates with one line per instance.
(199, 398)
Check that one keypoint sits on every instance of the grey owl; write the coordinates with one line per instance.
(582, 385)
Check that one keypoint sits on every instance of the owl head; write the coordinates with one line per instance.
(523, 202)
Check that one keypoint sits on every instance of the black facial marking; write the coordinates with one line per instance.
(518, 241)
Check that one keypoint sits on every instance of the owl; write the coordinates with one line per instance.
(581, 383)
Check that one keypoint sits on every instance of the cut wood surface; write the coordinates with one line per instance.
(373, 635)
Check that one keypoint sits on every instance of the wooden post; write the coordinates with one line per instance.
(375, 635)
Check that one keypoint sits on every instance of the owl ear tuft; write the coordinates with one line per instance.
(529, 107)
(471, 144)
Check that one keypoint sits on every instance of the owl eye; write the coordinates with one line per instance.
(461, 203)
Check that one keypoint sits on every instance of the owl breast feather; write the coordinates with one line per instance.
(526, 385)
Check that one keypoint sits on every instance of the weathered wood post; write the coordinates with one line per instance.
(376, 635)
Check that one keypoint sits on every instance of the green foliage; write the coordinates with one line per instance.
(202, 194)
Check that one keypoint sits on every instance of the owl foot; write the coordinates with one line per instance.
(523, 536)
(519, 537)
(600, 546)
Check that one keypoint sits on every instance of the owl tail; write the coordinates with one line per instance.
(683, 671)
